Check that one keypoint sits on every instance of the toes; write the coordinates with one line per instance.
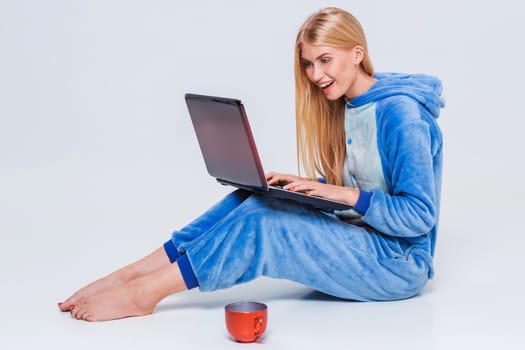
(80, 312)
(82, 315)
(64, 307)
(74, 311)
(85, 316)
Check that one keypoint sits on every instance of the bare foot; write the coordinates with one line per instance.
(105, 283)
(135, 298)
(123, 301)
(152, 262)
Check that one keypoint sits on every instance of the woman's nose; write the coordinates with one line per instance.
(317, 73)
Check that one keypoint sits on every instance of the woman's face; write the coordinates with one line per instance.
(334, 71)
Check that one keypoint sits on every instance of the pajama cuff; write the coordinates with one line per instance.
(187, 272)
(184, 264)
(363, 202)
(171, 251)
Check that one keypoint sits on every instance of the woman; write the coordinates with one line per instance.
(374, 140)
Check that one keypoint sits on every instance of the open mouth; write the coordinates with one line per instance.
(327, 85)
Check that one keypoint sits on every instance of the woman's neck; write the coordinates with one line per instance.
(363, 82)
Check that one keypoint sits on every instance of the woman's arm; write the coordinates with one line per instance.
(410, 147)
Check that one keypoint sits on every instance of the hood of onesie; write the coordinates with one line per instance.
(423, 88)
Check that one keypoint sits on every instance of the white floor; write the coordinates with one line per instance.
(56, 243)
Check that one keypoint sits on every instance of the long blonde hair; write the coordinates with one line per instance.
(319, 121)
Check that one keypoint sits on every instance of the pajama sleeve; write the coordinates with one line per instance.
(406, 141)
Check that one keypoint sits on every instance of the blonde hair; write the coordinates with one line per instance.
(319, 121)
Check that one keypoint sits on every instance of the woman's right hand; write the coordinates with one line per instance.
(282, 179)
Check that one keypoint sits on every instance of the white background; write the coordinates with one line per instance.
(99, 164)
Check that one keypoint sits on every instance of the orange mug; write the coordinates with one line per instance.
(246, 320)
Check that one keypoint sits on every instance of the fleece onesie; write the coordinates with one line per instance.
(381, 250)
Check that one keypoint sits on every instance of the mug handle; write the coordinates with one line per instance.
(258, 326)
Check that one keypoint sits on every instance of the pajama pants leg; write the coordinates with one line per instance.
(248, 236)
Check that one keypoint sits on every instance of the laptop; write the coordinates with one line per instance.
(228, 148)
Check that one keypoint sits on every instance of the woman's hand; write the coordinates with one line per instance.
(314, 188)
(282, 179)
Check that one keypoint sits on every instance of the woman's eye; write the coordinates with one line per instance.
(324, 59)
(307, 64)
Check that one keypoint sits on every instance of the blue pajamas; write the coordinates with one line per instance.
(246, 236)
(394, 159)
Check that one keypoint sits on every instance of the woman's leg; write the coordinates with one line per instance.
(276, 238)
(159, 258)
(281, 239)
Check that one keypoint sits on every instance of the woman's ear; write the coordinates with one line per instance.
(359, 54)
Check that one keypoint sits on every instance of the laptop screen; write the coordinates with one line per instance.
(225, 140)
